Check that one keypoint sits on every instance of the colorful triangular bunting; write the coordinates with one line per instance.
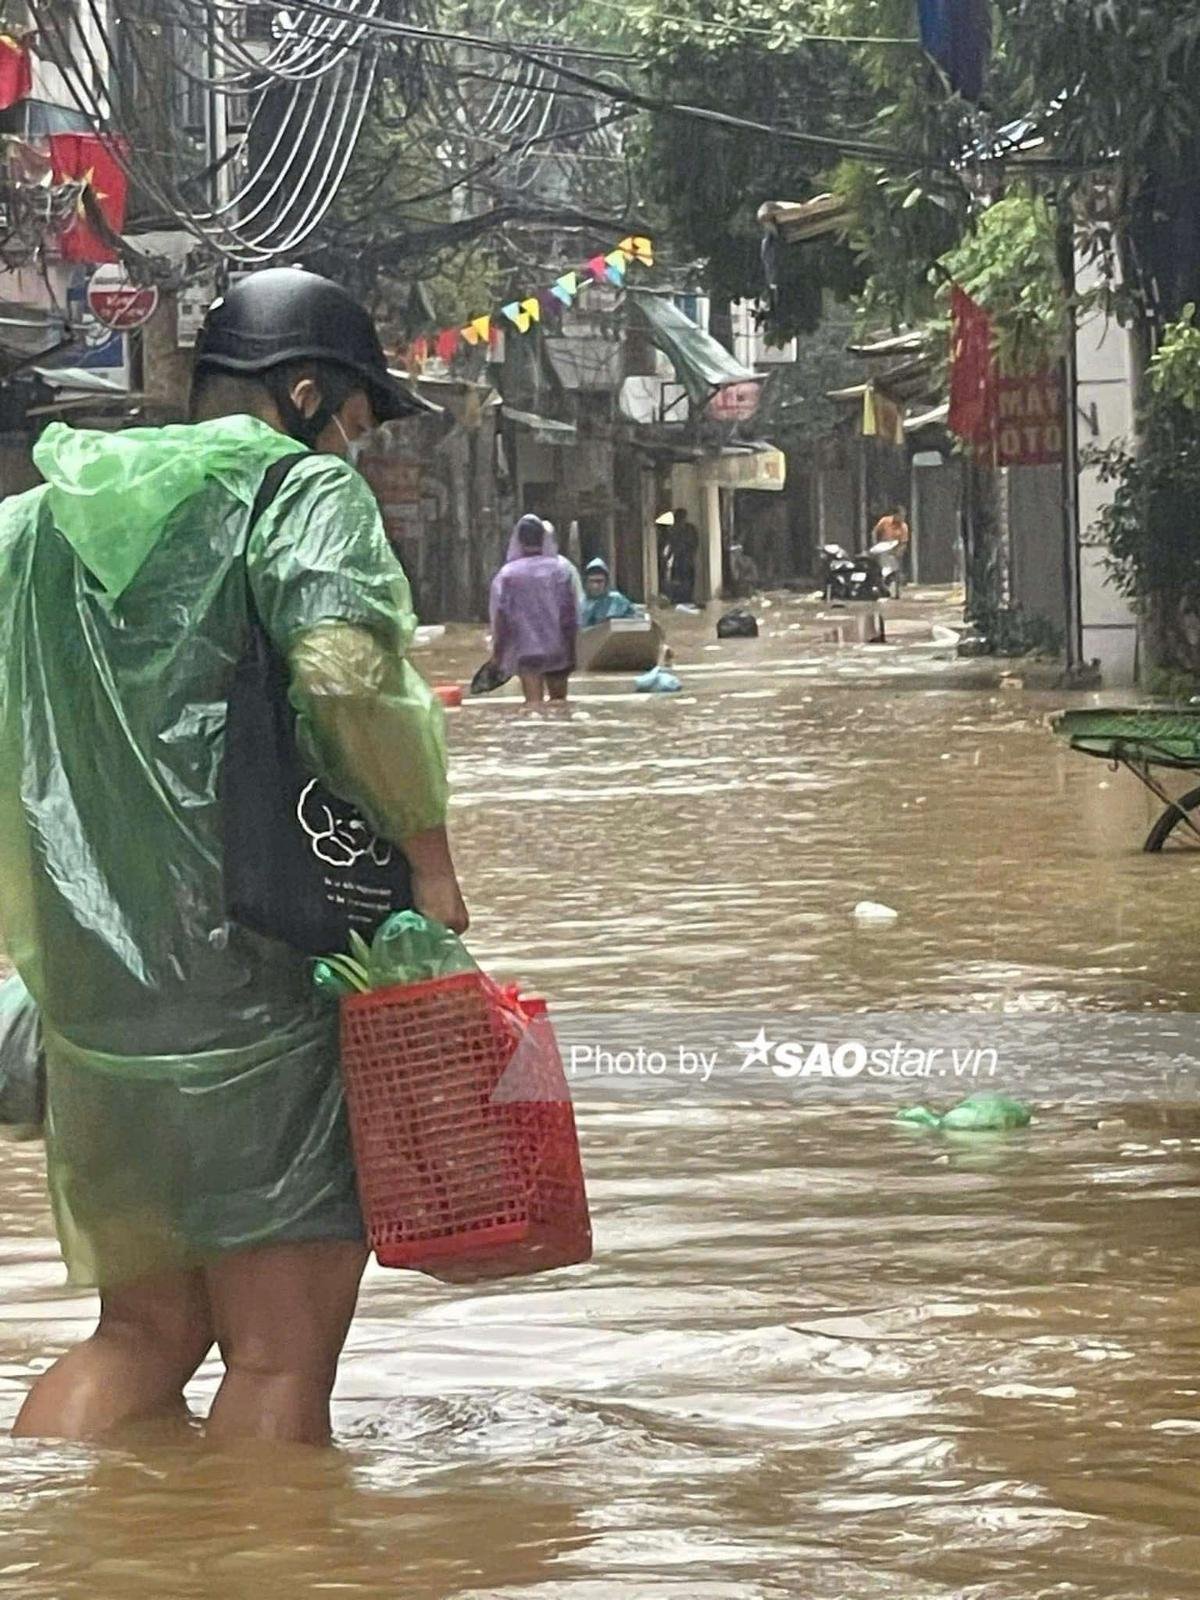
(614, 266)
(522, 314)
(639, 248)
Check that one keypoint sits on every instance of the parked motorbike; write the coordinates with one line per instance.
(842, 575)
(874, 574)
(888, 572)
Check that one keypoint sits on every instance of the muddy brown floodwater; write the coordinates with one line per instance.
(814, 1357)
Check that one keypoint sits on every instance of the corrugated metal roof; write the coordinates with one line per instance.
(797, 220)
(910, 343)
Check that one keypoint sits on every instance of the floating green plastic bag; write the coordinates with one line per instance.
(978, 1113)
(987, 1113)
(919, 1117)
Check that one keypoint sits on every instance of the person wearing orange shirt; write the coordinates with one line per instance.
(894, 525)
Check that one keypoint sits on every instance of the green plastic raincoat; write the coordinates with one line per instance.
(194, 1102)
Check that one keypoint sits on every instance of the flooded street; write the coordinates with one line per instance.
(816, 1356)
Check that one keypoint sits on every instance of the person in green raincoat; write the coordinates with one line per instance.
(198, 1155)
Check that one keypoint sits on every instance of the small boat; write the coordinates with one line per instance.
(619, 644)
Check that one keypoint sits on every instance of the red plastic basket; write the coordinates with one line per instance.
(456, 1179)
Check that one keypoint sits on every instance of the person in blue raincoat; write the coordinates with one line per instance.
(197, 1147)
(601, 600)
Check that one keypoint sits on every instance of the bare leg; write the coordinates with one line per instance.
(281, 1315)
(557, 684)
(151, 1337)
(533, 686)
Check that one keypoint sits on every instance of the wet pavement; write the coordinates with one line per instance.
(815, 1356)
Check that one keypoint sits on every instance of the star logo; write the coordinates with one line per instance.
(756, 1051)
(86, 182)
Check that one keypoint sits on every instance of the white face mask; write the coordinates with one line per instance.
(355, 448)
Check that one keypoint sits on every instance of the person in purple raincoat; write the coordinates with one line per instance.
(535, 614)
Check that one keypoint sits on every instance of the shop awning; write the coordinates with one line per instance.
(937, 417)
(82, 380)
(28, 333)
(701, 364)
(546, 430)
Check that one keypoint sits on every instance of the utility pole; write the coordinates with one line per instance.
(1072, 605)
(216, 129)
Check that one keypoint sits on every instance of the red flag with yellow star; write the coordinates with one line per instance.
(92, 159)
(16, 72)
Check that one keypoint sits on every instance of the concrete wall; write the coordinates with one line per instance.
(1036, 533)
(937, 523)
(836, 507)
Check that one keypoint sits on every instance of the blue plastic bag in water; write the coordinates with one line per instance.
(657, 681)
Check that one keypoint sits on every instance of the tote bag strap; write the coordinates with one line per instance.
(273, 481)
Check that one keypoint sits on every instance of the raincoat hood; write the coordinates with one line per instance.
(516, 549)
(597, 564)
(112, 494)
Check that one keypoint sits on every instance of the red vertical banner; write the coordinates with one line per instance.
(972, 369)
(16, 71)
(1014, 421)
(93, 160)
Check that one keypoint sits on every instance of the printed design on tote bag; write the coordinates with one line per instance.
(338, 840)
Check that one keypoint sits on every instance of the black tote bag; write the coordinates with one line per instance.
(301, 865)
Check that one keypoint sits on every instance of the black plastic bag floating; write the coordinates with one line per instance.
(22, 1061)
(489, 677)
(737, 624)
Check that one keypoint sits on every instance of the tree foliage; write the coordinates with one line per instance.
(1008, 263)
(1152, 525)
(1115, 82)
(1175, 369)
(706, 183)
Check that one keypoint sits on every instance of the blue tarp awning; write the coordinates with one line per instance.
(958, 35)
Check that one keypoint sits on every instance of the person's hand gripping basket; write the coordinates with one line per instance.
(463, 1130)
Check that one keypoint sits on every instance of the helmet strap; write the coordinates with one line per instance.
(306, 430)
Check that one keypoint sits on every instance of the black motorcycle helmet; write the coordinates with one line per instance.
(282, 315)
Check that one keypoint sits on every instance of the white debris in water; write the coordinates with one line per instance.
(872, 911)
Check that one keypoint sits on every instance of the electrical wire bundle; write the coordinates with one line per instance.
(239, 120)
(141, 68)
(494, 147)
